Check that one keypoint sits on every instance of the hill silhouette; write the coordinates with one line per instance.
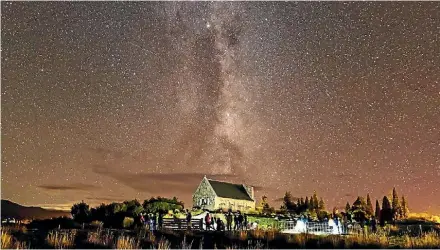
(10, 209)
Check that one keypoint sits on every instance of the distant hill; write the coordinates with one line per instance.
(10, 209)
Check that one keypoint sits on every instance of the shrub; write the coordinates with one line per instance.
(127, 222)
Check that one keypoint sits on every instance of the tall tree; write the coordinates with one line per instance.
(315, 200)
(80, 212)
(404, 208)
(386, 214)
(369, 208)
(321, 205)
(395, 204)
(288, 202)
(311, 204)
(359, 209)
(377, 213)
(307, 203)
(347, 207)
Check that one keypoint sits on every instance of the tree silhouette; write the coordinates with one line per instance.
(315, 204)
(377, 213)
(369, 208)
(359, 209)
(395, 204)
(288, 202)
(347, 207)
(404, 208)
(386, 214)
(307, 203)
(321, 205)
(80, 212)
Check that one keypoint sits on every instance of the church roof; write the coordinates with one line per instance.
(230, 190)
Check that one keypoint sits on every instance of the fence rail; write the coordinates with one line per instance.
(180, 224)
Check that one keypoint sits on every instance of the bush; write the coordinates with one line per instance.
(127, 222)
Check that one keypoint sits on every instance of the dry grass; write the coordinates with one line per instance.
(427, 240)
(100, 238)
(163, 244)
(61, 240)
(258, 233)
(127, 242)
(7, 240)
(185, 245)
(378, 240)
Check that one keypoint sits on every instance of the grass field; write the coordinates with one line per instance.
(130, 239)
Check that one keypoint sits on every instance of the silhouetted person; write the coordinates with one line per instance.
(154, 221)
(188, 219)
(219, 225)
(235, 222)
(160, 220)
(229, 221)
(245, 221)
(240, 221)
(208, 221)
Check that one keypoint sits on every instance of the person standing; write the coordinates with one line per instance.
(240, 221)
(235, 222)
(229, 221)
(245, 226)
(160, 220)
(208, 221)
(188, 219)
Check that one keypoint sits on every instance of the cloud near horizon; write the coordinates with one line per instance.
(73, 186)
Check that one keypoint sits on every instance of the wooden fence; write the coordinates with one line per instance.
(180, 224)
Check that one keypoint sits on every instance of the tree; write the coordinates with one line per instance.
(377, 213)
(404, 208)
(395, 204)
(161, 204)
(315, 200)
(311, 204)
(307, 203)
(288, 202)
(386, 214)
(347, 207)
(369, 208)
(321, 205)
(80, 212)
(359, 209)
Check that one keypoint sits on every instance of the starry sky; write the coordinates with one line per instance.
(108, 101)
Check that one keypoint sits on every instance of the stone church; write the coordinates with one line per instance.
(213, 195)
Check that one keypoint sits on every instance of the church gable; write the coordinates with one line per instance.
(204, 196)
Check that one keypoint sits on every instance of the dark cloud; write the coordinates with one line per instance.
(158, 182)
(76, 186)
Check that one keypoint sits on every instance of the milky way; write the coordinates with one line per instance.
(119, 100)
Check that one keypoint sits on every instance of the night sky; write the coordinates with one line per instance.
(108, 101)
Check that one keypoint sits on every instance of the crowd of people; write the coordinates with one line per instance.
(234, 221)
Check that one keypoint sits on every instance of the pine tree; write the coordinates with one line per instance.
(377, 214)
(404, 208)
(369, 208)
(307, 204)
(321, 205)
(311, 204)
(386, 214)
(315, 201)
(395, 204)
(347, 207)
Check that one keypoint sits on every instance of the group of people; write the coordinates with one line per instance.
(234, 221)
(240, 222)
(152, 221)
